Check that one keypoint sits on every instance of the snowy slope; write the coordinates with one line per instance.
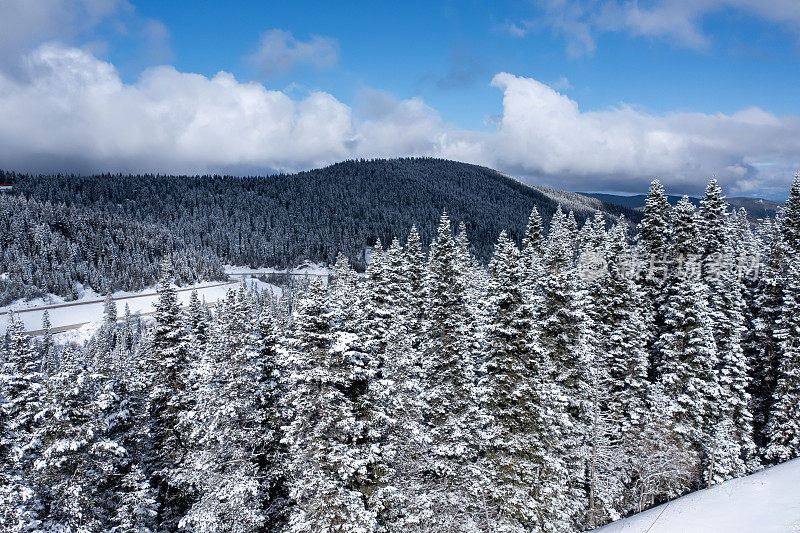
(89, 307)
(765, 502)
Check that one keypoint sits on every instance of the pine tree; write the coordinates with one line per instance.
(783, 423)
(451, 412)
(78, 464)
(20, 394)
(48, 349)
(323, 462)
(533, 243)
(727, 307)
(688, 359)
(198, 324)
(564, 328)
(654, 230)
(525, 478)
(764, 346)
(169, 401)
(619, 335)
(230, 441)
(790, 220)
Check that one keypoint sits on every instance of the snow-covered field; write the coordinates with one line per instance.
(310, 269)
(765, 502)
(87, 310)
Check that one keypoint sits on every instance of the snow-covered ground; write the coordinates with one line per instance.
(765, 502)
(311, 269)
(87, 310)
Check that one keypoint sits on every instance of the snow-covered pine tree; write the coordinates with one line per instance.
(790, 220)
(736, 450)
(654, 229)
(653, 239)
(397, 441)
(344, 297)
(564, 326)
(169, 403)
(48, 349)
(619, 334)
(272, 403)
(687, 359)
(533, 243)
(20, 394)
(227, 466)
(764, 346)
(377, 310)
(79, 464)
(783, 423)
(198, 323)
(525, 478)
(324, 466)
(451, 411)
(415, 276)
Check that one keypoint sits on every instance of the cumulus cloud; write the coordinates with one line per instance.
(543, 133)
(73, 106)
(279, 51)
(677, 21)
(72, 112)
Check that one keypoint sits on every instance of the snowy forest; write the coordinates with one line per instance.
(108, 232)
(596, 370)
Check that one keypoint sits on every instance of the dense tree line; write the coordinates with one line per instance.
(281, 220)
(48, 248)
(578, 378)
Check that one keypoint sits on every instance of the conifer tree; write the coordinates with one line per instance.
(198, 325)
(169, 401)
(525, 476)
(563, 325)
(451, 412)
(324, 465)
(783, 424)
(790, 220)
(619, 326)
(654, 230)
(415, 276)
(73, 428)
(49, 362)
(727, 307)
(20, 393)
(533, 243)
(764, 346)
(228, 467)
(688, 360)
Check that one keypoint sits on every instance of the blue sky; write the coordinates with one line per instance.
(449, 52)
(576, 94)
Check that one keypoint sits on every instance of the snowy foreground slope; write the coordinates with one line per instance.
(767, 502)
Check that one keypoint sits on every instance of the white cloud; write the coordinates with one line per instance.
(678, 21)
(279, 51)
(543, 133)
(71, 112)
(75, 108)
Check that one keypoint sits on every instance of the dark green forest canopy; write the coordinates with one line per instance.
(285, 219)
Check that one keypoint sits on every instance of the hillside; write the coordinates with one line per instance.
(280, 220)
(756, 207)
(767, 502)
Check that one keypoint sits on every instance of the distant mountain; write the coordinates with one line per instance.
(756, 207)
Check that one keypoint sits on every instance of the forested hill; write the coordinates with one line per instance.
(284, 219)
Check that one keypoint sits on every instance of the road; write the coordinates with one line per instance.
(74, 315)
(118, 299)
